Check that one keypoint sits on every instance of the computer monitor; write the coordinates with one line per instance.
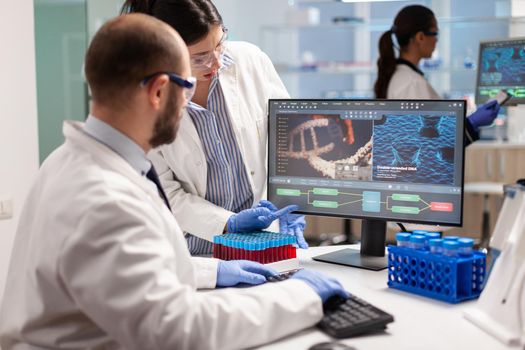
(375, 160)
(501, 65)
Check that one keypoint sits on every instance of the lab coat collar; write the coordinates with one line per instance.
(118, 142)
(76, 136)
(411, 65)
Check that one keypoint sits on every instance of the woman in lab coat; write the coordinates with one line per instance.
(217, 164)
(416, 31)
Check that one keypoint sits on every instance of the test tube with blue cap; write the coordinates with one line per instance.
(435, 245)
(450, 248)
(429, 236)
(403, 239)
(417, 242)
(434, 233)
(465, 246)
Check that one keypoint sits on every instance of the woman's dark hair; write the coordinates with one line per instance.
(408, 22)
(191, 18)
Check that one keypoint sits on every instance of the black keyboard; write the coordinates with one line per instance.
(344, 318)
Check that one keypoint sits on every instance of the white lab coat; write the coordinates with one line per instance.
(100, 263)
(247, 85)
(406, 84)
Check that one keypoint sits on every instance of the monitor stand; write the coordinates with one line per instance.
(371, 256)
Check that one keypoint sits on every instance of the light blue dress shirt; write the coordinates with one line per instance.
(118, 142)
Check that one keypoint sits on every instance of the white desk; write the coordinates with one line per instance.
(419, 323)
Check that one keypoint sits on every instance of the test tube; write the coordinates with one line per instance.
(432, 235)
(417, 241)
(451, 238)
(215, 249)
(435, 245)
(274, 248)
(450, 248)
(439, 234)
(403, 239)
(265, 251)
(258, 254)
(465, 246)
(429, 236)
(292, 251)
(419, 232)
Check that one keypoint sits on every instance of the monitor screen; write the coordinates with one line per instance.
(501, 65)
(388, 160)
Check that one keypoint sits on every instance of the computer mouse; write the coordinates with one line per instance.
(332, 345)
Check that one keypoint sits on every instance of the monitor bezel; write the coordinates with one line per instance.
(514, 101)
(270, 101)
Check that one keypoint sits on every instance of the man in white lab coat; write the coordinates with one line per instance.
(99, 261)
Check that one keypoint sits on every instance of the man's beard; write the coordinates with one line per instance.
(167, 125)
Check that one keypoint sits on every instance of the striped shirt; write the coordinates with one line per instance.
(227, 185)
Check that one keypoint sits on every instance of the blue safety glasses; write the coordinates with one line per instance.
(188, 84)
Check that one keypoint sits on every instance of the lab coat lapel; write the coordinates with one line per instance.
(189, 137)
(230, 86)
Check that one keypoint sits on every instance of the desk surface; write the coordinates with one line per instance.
(420, 323)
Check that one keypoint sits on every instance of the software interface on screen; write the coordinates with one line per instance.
(501, 66)
(390, 160)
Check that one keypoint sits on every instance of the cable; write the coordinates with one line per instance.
(402, 227)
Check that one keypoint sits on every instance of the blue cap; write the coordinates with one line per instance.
(433, 235)
(435, 242)
(419, 232)
(466, 242)
(450, 245)
(403, 236)
(451, 238)
(417, 238)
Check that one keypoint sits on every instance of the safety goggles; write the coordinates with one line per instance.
(188, 84)
(203, 61)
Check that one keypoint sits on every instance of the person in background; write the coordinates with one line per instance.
(214, 174)
(99, 261)
(416, 31)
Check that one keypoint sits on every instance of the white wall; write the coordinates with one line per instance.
(18, 115)
(245, 18)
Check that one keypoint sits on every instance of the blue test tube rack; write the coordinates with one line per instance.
(450, 279)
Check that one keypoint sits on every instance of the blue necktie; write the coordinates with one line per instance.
(152, 175)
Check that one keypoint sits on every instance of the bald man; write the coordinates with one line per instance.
(99, 261)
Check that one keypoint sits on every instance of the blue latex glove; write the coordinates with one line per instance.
(256, 219)
(230, 273)
(485, 114)
(292, 224)
(323, 285)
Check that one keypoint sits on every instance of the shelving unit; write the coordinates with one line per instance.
(315, 61)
